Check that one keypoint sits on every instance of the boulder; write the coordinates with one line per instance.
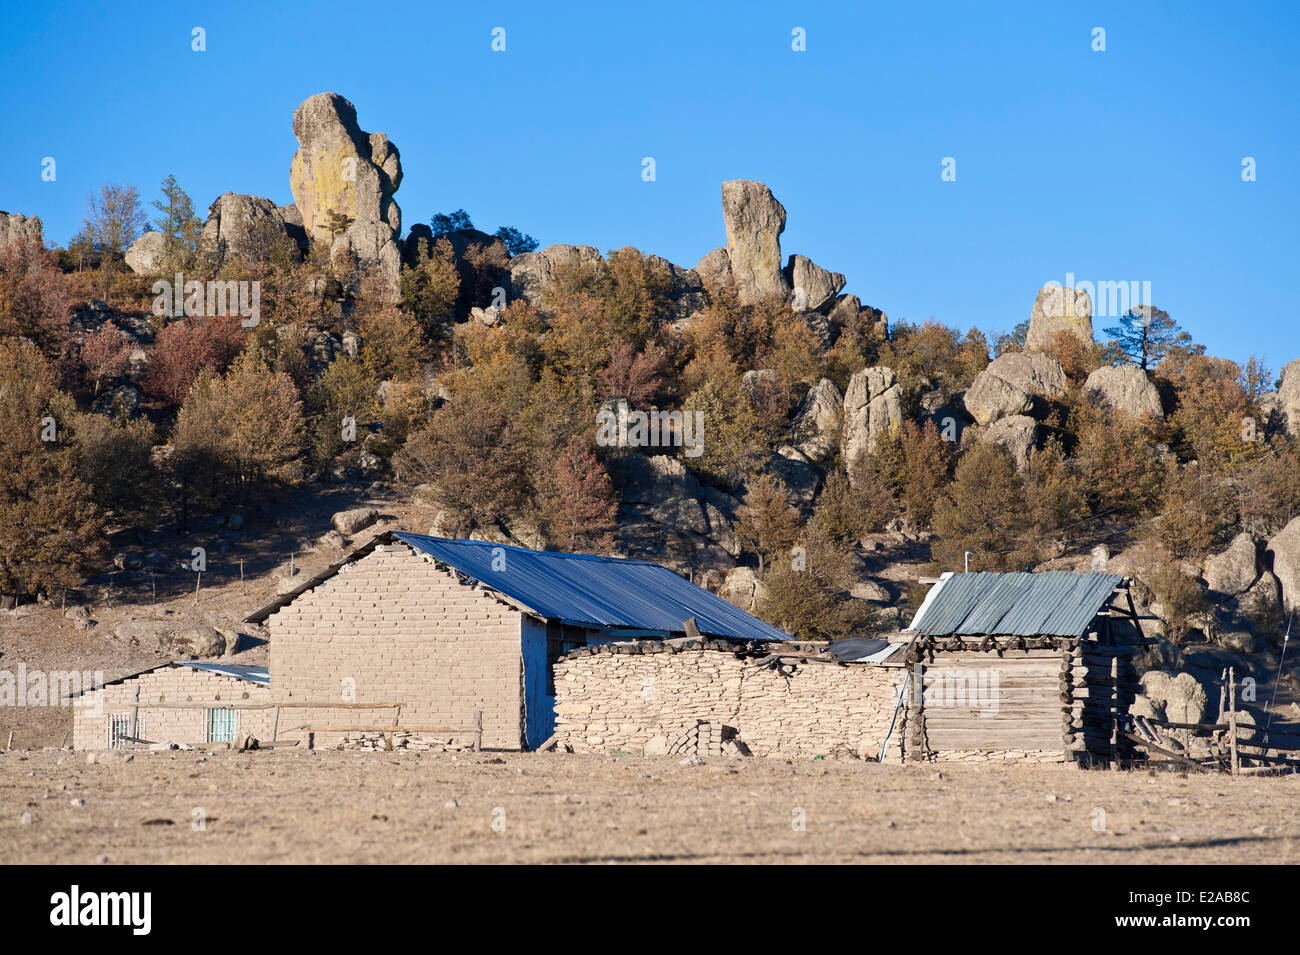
(755, 221)
(1233, 571)
(816, 425)
(1058, 309)
(1180, 698)
(714, 270)
(665, 492)
(1014, 383)
(147, 254)
(793, 469)
(1239, 641)
(687, 288)
(243, 226)
(14, 226)
(1288, 397)
(1018, 434)
(350, 521)
(873, 404)
(743, 588)
(1125, 389)
(1285, 548)
(339, 169)
(532, 275)
(1263, 601)
(812, 286)
(870, 590)
(194, 642)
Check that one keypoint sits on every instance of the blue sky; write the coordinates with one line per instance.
(1114, 166)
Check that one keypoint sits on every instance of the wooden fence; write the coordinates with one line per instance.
(1229, 744)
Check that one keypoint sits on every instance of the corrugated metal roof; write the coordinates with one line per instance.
(588, 590)
(1052, 603)
(239, 671)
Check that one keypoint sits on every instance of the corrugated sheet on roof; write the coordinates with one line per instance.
(585, 589)
(239, 671)
(1052, 603)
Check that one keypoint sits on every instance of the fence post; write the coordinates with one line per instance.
(1232, 722)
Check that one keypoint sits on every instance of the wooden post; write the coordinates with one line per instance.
(275, 725)
(10, 745)
(916, 713)
(1114, 714)
(1232, 722)
(198, 582)
(242, 589)
(478, 730)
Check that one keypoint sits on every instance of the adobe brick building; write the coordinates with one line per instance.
(166, 703)
(452, 628)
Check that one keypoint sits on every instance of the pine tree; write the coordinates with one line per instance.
(177, 223)
(1145, 335)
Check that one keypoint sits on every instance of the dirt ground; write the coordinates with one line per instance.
(335, 807)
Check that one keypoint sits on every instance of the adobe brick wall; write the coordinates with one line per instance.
(641, 701)
(178, 684)
(406, 632)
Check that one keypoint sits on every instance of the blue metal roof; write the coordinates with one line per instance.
(1052, 603)
(239, 671)
(587, 590)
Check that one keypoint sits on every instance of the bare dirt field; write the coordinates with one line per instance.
(342, 807)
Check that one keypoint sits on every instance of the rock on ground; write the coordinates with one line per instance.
(350, 521)
(1180, 698)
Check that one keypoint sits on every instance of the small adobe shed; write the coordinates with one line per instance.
(184, 701)
(423, 633)
(1033, 667)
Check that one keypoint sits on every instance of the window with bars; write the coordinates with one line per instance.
(119, 729)
(222, 725)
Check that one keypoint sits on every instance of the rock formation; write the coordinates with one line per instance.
(1059, 309)
(873, 404)
(1285, 548)
(240, 225)
(147, 253)
(1236, 569)
(14, 226)
(1288, 397)
(1014, 384)
(341, 174)
(1018, 434)
(817, 423)
(532, 275)
(812, 287)
(755, 221)
(1126, 389)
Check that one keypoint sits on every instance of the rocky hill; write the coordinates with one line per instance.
(743, 421)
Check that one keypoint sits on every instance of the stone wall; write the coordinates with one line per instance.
(641, 697)
(175, 684)
(400, 630)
